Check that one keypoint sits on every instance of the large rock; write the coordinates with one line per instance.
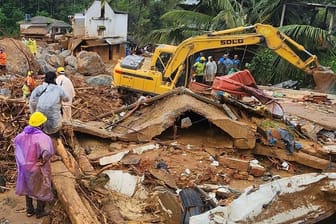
(19, 58)
(100, 80)
(55, 60)
(70, 70)
(71, 60)
(65, 53)
(90, 63)
(45, 67)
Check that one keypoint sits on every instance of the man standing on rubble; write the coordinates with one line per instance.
(69, 89)
(3, 61)
(33, 150)
(47, 98)
(210, 70)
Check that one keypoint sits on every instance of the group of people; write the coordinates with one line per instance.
(49, 103)
(206, 70)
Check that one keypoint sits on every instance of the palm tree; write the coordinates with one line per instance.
(207, 15)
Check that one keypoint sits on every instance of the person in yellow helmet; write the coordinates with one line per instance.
(64, 82)
(199, 69)
(33, 150)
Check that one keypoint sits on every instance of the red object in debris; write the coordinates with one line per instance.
(235, 83)
(242, 83)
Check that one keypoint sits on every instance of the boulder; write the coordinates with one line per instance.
(19, 58)
(71, 60)
(65, 53)
(90, 63)
(70, 70)
(100, 80)
(55, 60)
(45, 67)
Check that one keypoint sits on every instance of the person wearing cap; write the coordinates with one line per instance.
(210, 70)
(3, 61)
(199, 69)
(69, 89)
(33, 150)
(47, 98)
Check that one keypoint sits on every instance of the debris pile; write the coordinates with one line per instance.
(173, 158)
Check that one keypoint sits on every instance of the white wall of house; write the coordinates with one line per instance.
(115, 23)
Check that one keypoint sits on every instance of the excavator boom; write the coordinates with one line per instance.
(169, 64)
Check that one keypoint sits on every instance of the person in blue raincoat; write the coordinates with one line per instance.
(33, 150)
(47, 98)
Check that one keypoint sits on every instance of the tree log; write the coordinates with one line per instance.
(64, 183)
(68, 160)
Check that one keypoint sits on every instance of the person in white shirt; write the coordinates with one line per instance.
(69, 89)
(210, 70)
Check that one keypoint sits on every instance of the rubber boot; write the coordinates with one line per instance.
(29, 207)
(40, 212)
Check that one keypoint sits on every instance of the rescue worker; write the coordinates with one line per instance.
(69, 89)
(32, 45)
(225, 64)
(29, 85)
(236, 62)
(199, 69)
(3, 61)
(210, 70)
(33, 150)
(47, 98)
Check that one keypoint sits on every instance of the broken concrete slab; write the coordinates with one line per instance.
(152, 120)
(144, 148)
(269, 203)
(299, 157)
(170, 206)
(113, 158)
(164, 176)
(234, 163)
(91, 128)
(121, 182)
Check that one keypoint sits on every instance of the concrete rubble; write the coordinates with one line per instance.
(183, 157)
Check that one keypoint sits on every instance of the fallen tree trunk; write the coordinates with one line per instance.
(64, 183)
(299, 157)
(68, 160)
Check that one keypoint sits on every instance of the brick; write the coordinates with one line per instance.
(241, 176)
(234, 163)
(257, 170)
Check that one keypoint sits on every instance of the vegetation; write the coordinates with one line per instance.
(171, 21)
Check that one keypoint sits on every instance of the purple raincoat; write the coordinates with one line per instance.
(31, 147)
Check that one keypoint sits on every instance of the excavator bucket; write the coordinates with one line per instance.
(325, 79)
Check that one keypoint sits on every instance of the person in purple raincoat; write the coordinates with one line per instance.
(33, 150)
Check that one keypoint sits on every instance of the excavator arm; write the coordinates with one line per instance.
(169, 64)
(274, 39)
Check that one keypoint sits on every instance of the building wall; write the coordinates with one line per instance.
(78, 25)
(115, 24)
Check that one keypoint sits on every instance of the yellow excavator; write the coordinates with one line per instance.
(170, 67)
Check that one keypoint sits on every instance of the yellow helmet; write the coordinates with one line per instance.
(60, 70)
(202, 59)
(29, 73)
(37, 119)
